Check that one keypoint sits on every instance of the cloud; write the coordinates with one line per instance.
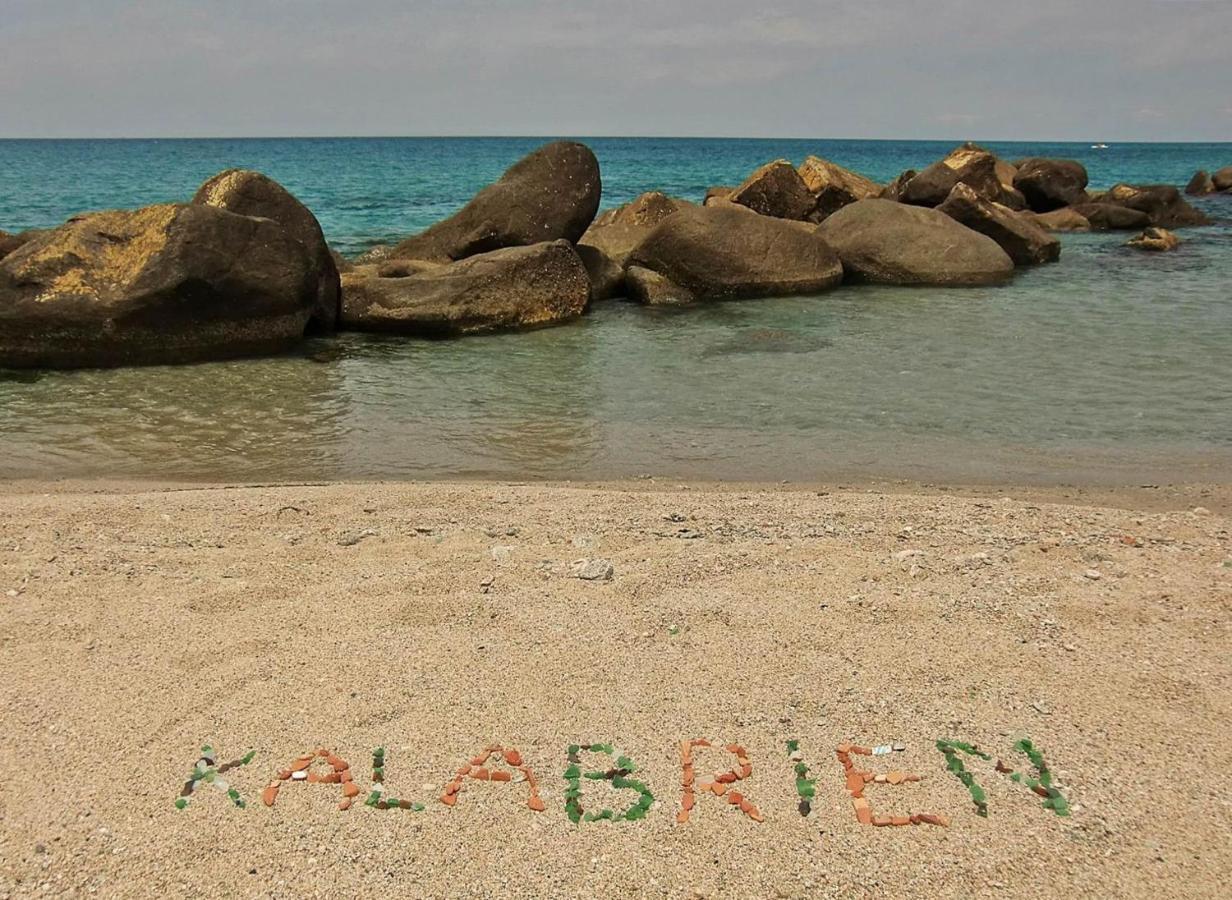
(1048, 69)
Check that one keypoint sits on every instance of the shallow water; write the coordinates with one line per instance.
(1111, 366)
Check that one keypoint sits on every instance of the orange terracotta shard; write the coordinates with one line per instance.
(719, 783)
(857, 780)
(303, 764)
(484, 768)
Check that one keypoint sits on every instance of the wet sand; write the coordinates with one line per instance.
(436, 619)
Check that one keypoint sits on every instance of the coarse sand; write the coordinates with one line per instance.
(141, 622)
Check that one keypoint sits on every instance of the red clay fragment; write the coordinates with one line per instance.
(726, 778)
(501, 776)
(735, 798)
(536, 803)
(702, 742)
(300, 764)
(753, 812)
(864, 812)
(269, 795)
(686, 802)
(881, 821)
(932, 819)
(350, 789)
(480, 760)
(513, 757)
(900, 820)
(345, 804)
(482, 774)
(682, 817)
(284, 774)
(855, 783)
(448, 799)
(718, 788)
(746, 770)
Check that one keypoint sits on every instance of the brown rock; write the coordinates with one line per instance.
(1155, 239)
(855, 783)
(1222, 179)
(516, 288)
(1111, 216)
(249, 193)
(719, 253)
(776, 189)
(269, 795)
(1048, 184)
(1023, 240)
(882, 821)
(606, 245)
(1062, 220)
(864, 812)
(350, 789)
(513, 757)
(1201, 184)
(893, 243)
(1163, 203)
(969, 164)
(552, 194)
(834, 187)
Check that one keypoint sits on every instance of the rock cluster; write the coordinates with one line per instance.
(244, 267)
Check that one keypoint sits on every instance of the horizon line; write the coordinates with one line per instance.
(626, 137)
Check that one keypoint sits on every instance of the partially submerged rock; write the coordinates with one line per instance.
(512, 288)
(724, 252)
(776, 189)
(1112, 216)
(1222, 179)
(969, 164)
(1023, 240)
(164, 284)
(551, 194)
(1062, 220)
(1201, 184)
(1048, 184)
(893, 243)
(1163, 203)
(834, 187)
(606, 245)
(248, 193)
(1155, 239)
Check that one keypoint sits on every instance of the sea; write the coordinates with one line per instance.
(1110, 367)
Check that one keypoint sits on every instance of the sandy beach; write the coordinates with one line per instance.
(435, 620)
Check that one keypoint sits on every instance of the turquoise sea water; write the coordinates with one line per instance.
(1110, 366)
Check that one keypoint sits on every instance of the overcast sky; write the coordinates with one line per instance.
(1111, 70)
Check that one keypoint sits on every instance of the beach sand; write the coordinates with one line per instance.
(140, 623)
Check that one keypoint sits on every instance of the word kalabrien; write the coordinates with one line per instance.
(498, 764)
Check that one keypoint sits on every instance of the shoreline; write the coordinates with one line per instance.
(434, 620)
(1215, 496)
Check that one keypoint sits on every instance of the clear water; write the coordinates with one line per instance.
(1111, 366)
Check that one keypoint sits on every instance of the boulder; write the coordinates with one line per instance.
(1155, 239)
(552, 194)
(716, 194)
(724, 252)
(1023, 240)
(833, 186)
(776, 189)
(606, 245)
(1163, 203)
(10, 242)
(165, 284)
(969, 164)
(249, 193)
(1061, 220)
(1222, 179)
(1201, 184)
(1111, 216)
(894, 243)
(649, 288)
(894, 190)
(1048, 184)
(512, 288)
(342, 264)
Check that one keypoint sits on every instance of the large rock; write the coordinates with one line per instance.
(1201, 184)
(1157, 240)
(894, 190)
(512, 288)
(776, 189)
(716, 195)
(1048, 184)
(1026, 242)
(249, 193)
(606, 245)
(1223, 179)
(724, 252)
(1163, 203)
(1061, 220)
(893, 243)
(165, 284)
(834, 187)
(551, 194)
(1111, 216)
(969, 164)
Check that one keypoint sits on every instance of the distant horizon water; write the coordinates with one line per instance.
(1110, 366)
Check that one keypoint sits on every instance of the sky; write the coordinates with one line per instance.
(1098, 70)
